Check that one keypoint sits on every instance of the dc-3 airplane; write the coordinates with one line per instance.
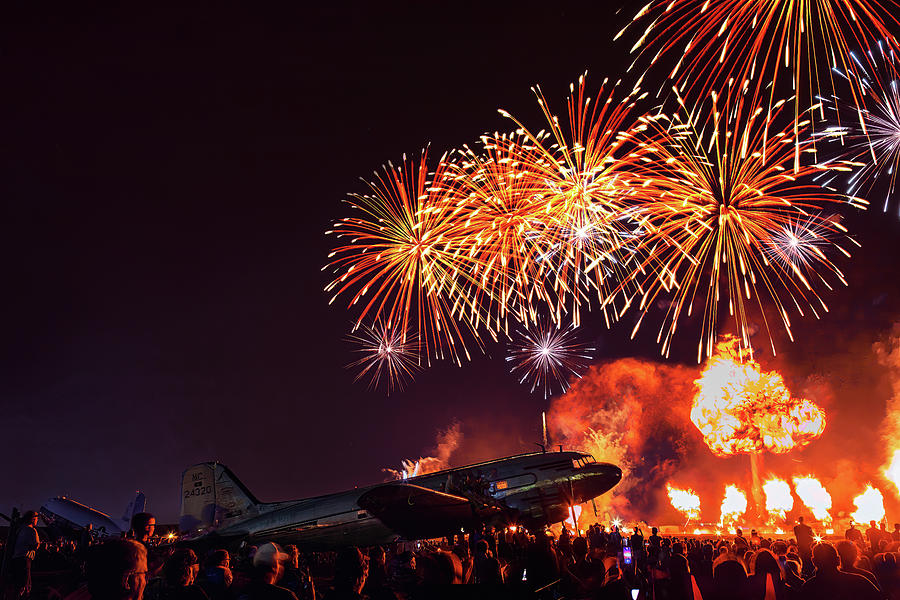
(65, 514)
(532, 490)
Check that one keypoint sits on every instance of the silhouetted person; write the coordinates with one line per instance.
(849, 553)
(267, 569)
(487, 568)
(350, 571)
(296, 578)
(740, 541)
(855, 535)
(565, 541)
(755, 540)
(830, 582)
(376, 587)
(895, 535)
(25, 548)
(792, 577)
(216, 577)
(766, 572)
(873, 535)
(143, 526)
(804, 535)
(637, 547)
(178, 576)
(117, 570)
(654, 544)
(87, 536)
(887, 573)
(729, 579)
(679, 583)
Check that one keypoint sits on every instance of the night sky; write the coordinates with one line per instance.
(167, 179)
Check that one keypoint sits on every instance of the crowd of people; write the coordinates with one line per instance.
(603, 562)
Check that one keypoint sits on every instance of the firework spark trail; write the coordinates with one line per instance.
(800, 244)
(750, 42)
(873, 143)
(722, 194)
(582, 168)
(497, 202)
(402, 253)
(388, 354)
(548, 355)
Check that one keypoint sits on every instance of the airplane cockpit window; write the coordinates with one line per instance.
(583, 461)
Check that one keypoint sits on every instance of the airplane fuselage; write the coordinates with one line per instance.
(530, 489)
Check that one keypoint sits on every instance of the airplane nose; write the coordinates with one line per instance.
(602, 477)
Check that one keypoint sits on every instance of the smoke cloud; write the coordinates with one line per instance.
(446, 443)
(633, 413)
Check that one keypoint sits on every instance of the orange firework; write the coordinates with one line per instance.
(587, 189)
(723, 195)
(399, 260)
(739, 408)
(749, 42)
(497, 202)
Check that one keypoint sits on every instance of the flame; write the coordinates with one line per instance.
(447, 441)
(733, 505)
(739, 408)
(778, 498)
(869, 505)
(685, 501)
(409, 468)
(814, 496)
(570, 522)
(893, 470)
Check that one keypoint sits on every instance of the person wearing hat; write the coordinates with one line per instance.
(27, 543)
(268, 567)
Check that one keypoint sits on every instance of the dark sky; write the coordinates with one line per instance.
(167, 179)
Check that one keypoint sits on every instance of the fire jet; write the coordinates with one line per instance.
(531, 490)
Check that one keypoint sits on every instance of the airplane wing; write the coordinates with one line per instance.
(416, 512)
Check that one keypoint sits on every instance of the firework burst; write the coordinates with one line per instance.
(724, 197)
(582, 170)
(497, 201)
(750, 42)
(389, 355)
(874, 142)
(546, 355)
(800, 243)
(400, 260)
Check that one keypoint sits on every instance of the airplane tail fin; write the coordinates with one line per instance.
(138, 505)
(212, 498)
